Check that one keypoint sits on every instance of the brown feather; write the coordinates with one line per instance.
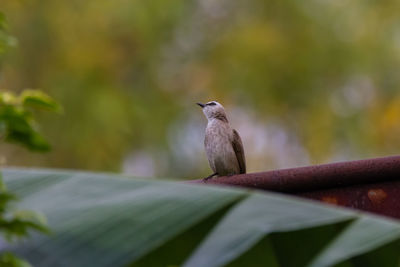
(239, 151)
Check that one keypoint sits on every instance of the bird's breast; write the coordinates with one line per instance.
(219, 149)
(218, 136)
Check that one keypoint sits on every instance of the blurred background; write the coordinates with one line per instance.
(304, 82)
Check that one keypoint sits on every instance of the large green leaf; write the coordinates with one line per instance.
(359, 237)
(252, 219)
(103, 220)
(110, 220)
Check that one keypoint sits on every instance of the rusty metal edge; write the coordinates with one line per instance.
(317, 177)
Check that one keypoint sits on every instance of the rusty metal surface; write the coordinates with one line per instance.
(371, 185)
(382, 198)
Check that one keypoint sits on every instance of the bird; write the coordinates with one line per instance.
(223, 145)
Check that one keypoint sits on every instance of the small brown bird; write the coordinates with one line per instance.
(223, 145)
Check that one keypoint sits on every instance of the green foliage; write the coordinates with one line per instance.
(15, 225)
(38, 99)
(17, 123)
(108, 220)
(9, 260)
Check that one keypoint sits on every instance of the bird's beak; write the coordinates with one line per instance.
(201, 105)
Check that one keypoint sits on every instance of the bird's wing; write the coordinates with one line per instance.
(239, 151)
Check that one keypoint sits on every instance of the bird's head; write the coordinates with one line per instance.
(213, 110)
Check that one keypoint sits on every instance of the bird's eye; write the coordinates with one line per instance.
(211, 104)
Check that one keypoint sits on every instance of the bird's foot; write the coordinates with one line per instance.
(208, 177)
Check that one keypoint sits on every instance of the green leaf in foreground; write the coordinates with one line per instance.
(108, 220)
(9, 260)
(100, 220)
(362, 235)
(253, 219)
(16, 225)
